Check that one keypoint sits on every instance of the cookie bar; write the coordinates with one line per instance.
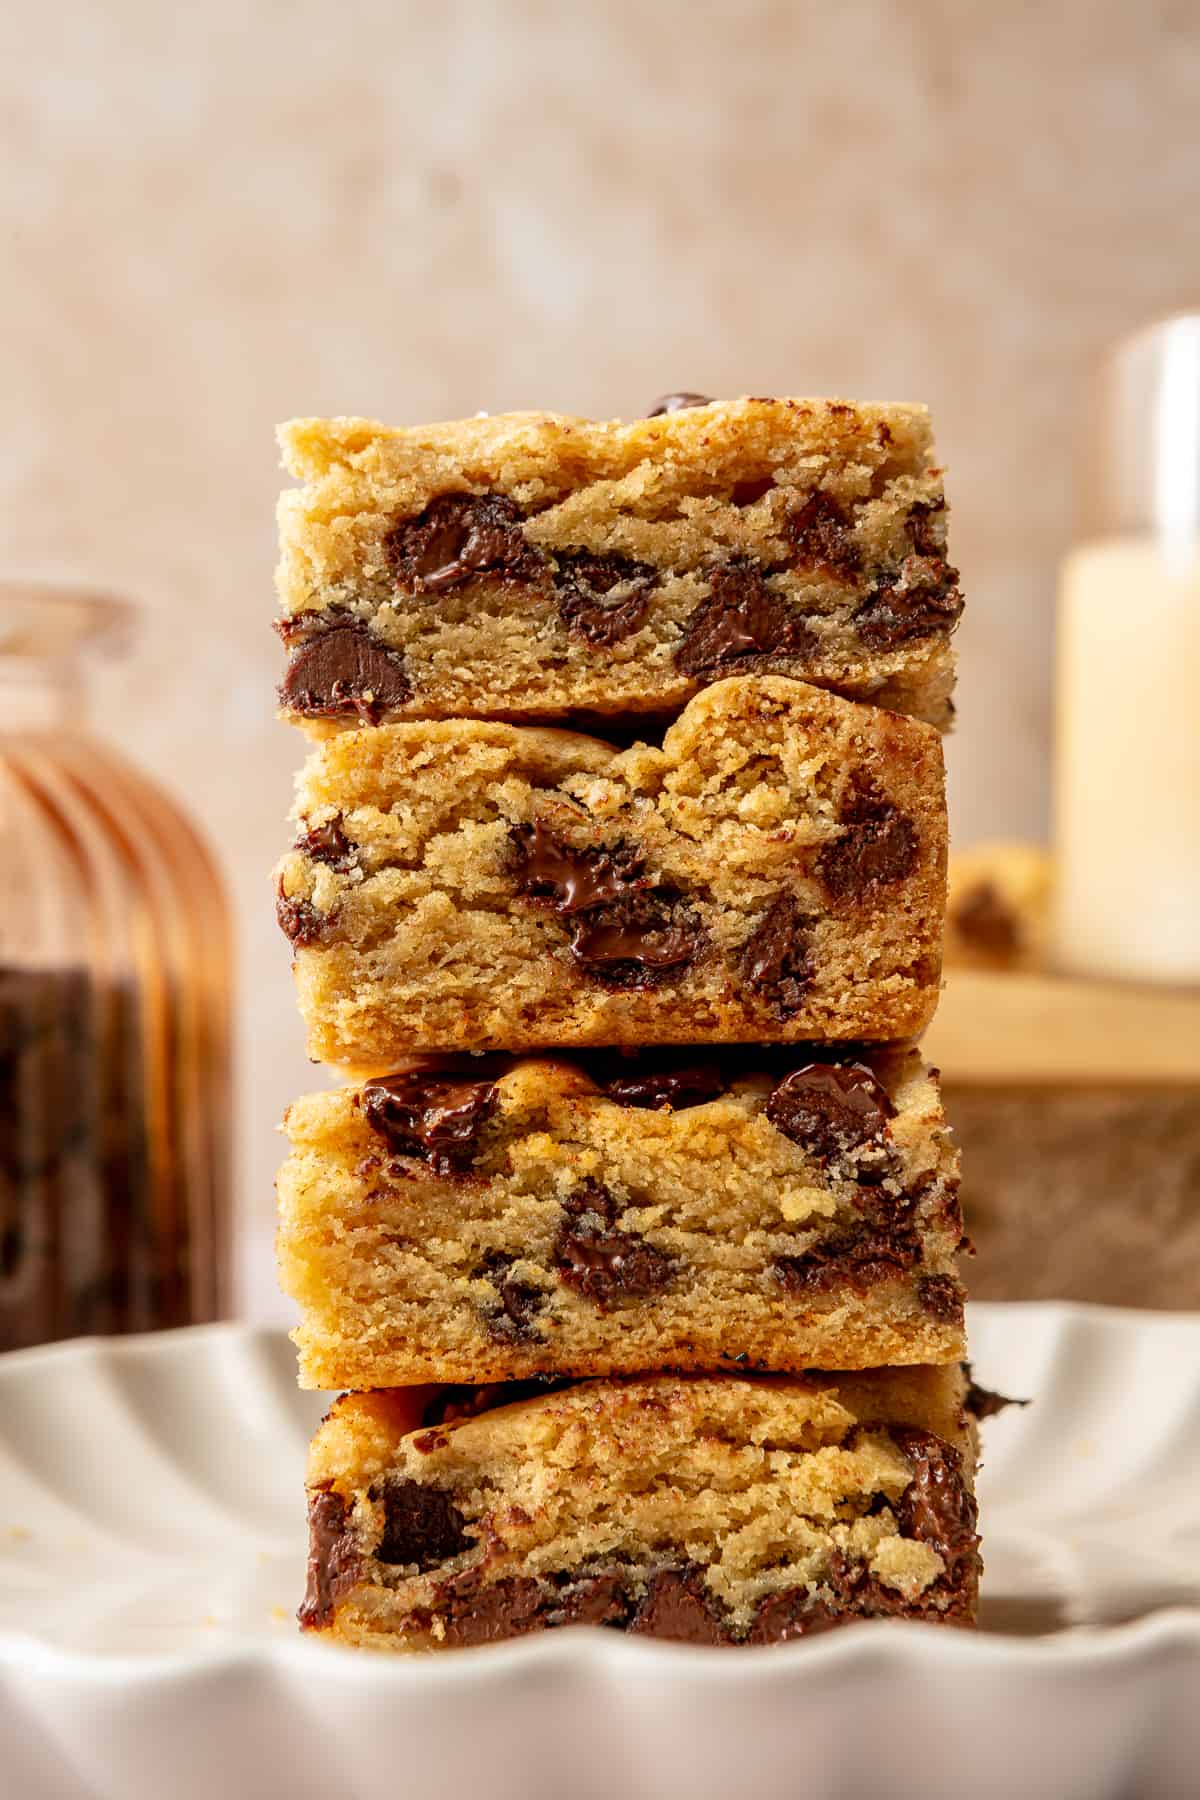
(774, 872)
(604, 1215)
(531, 566)
(998, 907)
(727, 1510)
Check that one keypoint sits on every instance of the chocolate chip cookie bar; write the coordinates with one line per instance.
(728, 1511)
(468, 1222)
(775, 871)
(531, 566)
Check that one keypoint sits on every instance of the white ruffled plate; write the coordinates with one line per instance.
(152, 1549)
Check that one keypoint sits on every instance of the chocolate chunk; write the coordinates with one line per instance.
(300, 921)
(678, 1606)
(638, 940)
(923, 601)
(334, 1562)
(845, 1262)
(983, 919)
(670, 403)
(830, 1108)
(822, 538)
(775, 961)
(740, 623)
(666, 1088)
(572, 879)
(459, 537)
(435, 1117)
(942, 1298)
(343, 669)
(595, 1259)
(602, 599)
(327, 844)
(878, 845)
(421, 1525)
(518, 1302)
(985, 1403)
(936, 1508)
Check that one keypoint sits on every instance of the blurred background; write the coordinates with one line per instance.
(219, 217)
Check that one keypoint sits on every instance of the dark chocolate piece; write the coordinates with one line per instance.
(327, 844)
(666, 1088)
(775, 961)
(985, 1403)
(936, 1507)
(679, 1606)
(571, 878)
(459, 537)
(638, 940)
(518, 1302)
(604, 1264)
(821, 537)
(831, 1107)
(922, 601)
(433, 1116)
(602, 599)
(334, 1561)
(926, 539)
(740, 623)
(421, 1525)
(300, 921)
(878, 845)
(669, 403)
(342, 668)
(846, 1262)
(751, 489)
(942, 1298)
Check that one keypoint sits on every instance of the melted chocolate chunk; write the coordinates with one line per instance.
(830, 1108)
(678, 1606)
(942, 1298)
(751, 489)
(334, 1562)
(435, 1117)
(878, 845)
(300, 921)
(421, 1525)
(327, 844)
(595, 1259)
(775, 961)
(572, 879)
(666, 1088)
(518, 1302)
(983, 918)
(936, 1508)
(458, 537)
(670, 403)
(923, 601)
(342, 669)
(821, 537)
(602, 599)
(985, 1403)
(741, 622)
(845, 1262)
(925, 537)
(638, 940)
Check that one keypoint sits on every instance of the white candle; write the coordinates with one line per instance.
(1128, 761)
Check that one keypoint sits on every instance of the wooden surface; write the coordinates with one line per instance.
(1011, 1028)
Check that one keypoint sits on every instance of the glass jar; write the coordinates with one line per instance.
(115, 964)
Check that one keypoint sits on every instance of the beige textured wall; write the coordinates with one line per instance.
(221, 215)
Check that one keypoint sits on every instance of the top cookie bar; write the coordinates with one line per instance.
(533, 566)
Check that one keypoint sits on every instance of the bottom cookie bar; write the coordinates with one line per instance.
(713, 1510)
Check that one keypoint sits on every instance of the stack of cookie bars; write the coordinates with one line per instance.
(618, 901)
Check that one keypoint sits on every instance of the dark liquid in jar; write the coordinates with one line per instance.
(93, 1236)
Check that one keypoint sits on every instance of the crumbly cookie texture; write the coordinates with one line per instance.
(998, 907)
(533, 566)
(774, 872)
(466, 1223)
(720, 1511)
